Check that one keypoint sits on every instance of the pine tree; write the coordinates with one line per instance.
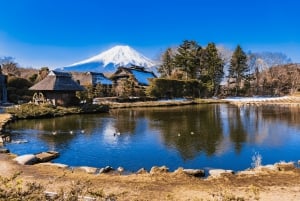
(187, 58)
(238, 67)
(212, 67)
(167, 66)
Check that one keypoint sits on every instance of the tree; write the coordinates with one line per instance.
(212, 66)
(167, 66)
(238, 67)
(188, 58)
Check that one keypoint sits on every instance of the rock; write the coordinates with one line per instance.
(59, 165)
(142, 171)
(51, 195)
(107, 169)
(120, 169)
(46, 156)
(266, 168)
(219, 172)
(284, 166)
(28, 159)
(90, 170)
(194, 172)
(3, 150)
(156, 170)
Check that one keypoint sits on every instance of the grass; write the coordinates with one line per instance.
(13, 188)
(31, 111)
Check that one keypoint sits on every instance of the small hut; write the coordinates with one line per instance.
(57, 88)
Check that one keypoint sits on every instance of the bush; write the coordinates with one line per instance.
(169, 88)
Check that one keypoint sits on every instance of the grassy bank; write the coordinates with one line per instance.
(163, 103)
(30, 110)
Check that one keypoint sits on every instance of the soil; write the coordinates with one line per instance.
(263, 185)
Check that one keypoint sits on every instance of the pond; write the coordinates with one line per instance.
(198, 136)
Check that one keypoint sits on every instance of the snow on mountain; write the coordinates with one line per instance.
(111, 59)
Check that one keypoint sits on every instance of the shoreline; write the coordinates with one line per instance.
(268, 182)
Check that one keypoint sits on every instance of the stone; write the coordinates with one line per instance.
(156, 170)
(28, 159)
(266, 168)
(90, 170)
(194, 172)
(285, 166)
(51, 195)
(59, 165)
(120, 169)
(107, 169)
(46, 156)
(219, 172)
(4, 151)
(142, 171)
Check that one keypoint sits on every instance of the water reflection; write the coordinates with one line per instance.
(176, 136)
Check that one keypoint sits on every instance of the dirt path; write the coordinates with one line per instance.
(265, 185)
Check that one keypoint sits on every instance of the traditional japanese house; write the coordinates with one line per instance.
(57, 88)
(139, 75)
(91, 78)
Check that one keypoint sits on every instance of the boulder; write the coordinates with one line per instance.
(90, 170)
(46, 156)
(59, 165)
(3, 150)
(120, 169)
(28, 159)
(107, 169)
(194, 172)
(157, 170)
(266, 168)
(142, 171)
(285, 166)
(220, 172)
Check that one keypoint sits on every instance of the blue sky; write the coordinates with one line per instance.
(56, 33)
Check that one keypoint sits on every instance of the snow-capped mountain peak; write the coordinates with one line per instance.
(109, 60)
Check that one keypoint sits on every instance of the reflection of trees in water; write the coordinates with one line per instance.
(237, 132)
(125, 120)
(288, 114)
(189, 129)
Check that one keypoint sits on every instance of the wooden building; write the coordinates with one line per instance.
(91, 78)
(58, 88)
(139, 74)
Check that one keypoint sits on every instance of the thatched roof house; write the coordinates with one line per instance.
(91, 78)
(139, 74)
(58, 88)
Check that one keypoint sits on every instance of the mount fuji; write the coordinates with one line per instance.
(108, 61)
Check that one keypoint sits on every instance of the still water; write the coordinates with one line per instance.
(198, 136)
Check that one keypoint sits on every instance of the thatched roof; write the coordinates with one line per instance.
(57, 81)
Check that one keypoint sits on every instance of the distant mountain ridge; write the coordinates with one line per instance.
(108, 61)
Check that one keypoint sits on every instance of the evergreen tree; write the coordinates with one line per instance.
(238, 67)
(212, 66)
(187, 58)
(167, 66)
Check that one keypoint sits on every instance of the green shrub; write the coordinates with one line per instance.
(170, 88)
